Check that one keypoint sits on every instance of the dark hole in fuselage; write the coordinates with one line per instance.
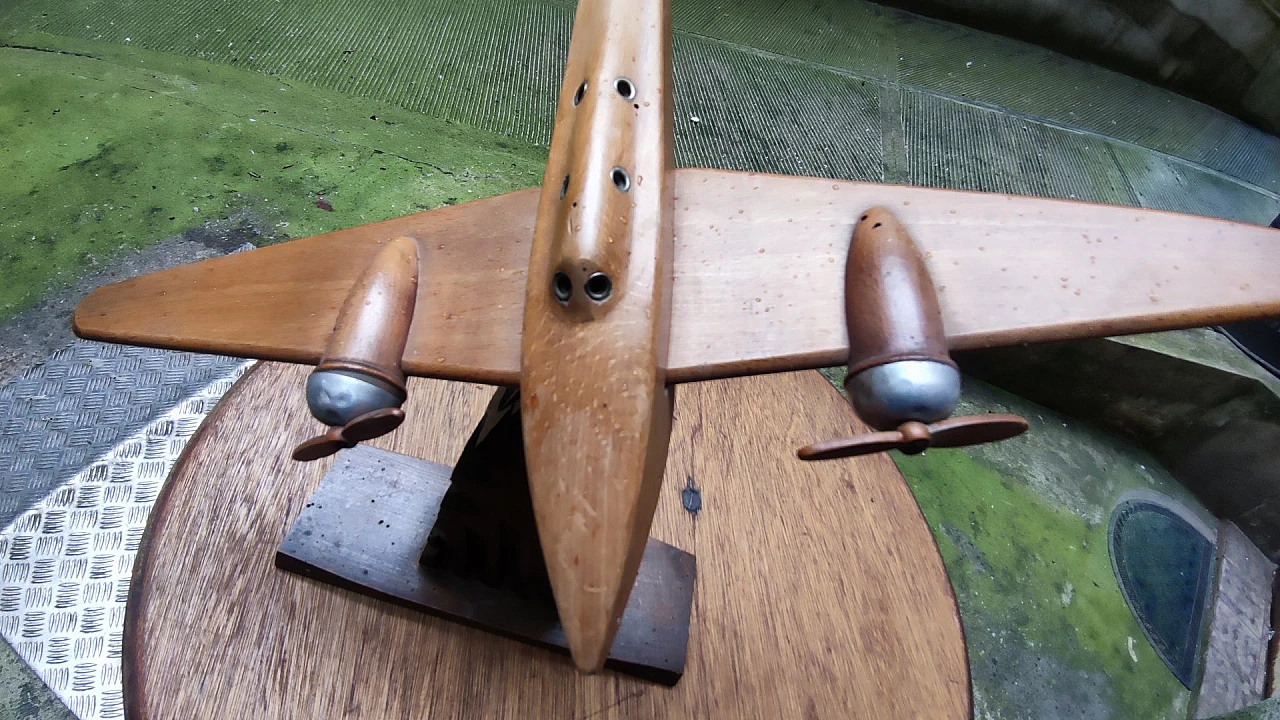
(599, 287)
(561, 287)
(624, 88)
(582, 91)
(621, 179)
(564, 187)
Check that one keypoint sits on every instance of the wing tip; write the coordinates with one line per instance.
(91, 317)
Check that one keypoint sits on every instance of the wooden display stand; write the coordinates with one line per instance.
(820, 592)
(461, 543)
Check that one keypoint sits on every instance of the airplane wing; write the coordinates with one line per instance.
(759, 269)
(758, 278)
(281, 302)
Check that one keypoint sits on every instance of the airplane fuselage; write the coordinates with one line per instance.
(594, 399)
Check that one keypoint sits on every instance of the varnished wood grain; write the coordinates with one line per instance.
(758, 264)
(891, 304)
(593, 395)
(372, 328)
(759, 269)
(820, 592)
(281, 302)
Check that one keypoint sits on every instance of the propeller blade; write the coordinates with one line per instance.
(375, 423)
(368, 426)
(852, 446)
(321, 446)
(975, 429)
(914, 437)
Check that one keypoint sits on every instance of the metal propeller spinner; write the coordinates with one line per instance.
(356, 408)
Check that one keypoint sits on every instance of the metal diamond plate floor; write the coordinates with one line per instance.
(66, 562)
(61, 414)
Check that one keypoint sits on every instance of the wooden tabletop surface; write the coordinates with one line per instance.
(820, 591)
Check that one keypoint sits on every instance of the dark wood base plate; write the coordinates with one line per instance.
(366, 524)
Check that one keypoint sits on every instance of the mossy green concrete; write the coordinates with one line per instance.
(1022, 527)
(22, 695)
(114, 148)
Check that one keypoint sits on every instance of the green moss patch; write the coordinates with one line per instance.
(1047, 629)
(111, 149)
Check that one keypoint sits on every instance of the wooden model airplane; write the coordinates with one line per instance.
(624, 276)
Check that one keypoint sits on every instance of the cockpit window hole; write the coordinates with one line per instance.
(562, 287)
(621, 179)
(599, 287)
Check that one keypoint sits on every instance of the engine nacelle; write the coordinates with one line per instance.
(358, 387)
(902, 380)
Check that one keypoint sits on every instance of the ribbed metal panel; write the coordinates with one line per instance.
(79, 403)
(496, 64)
(952, 145)
(835, 33)
(66, 563)
(961, 63)
(1165, 183)
(749, 111)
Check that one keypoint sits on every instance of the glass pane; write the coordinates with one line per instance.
(1165, 568)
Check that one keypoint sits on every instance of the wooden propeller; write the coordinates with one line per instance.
(914, 437)
(365, 427)
(901, 380)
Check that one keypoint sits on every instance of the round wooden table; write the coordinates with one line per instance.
(820, 592)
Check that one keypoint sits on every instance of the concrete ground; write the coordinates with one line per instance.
(22, 694)
(138, 135)
(1268, 710)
